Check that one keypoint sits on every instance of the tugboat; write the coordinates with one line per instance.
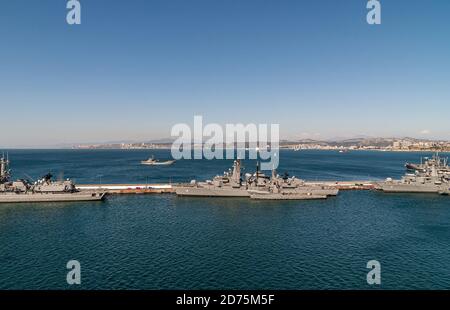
(154, 162)
(43, 190)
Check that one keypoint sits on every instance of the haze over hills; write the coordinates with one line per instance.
(378, 141)
(343, 142)
(357, 143)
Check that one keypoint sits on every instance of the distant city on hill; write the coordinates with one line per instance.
(381, 144)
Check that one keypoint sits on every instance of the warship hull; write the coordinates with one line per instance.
(315, 191)
(286, 196)
(49, 197)
(243, 192)
(211, 192)
(408, 188)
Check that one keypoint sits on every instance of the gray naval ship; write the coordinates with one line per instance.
(439, 163)
(291, 188)
(230, 184)
(430, 176)
(255, 186)
(43, 190)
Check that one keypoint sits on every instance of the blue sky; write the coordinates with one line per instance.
(134, 68)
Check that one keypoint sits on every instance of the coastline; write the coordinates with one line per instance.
(281, 148)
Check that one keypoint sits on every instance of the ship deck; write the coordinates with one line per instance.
(170, 187)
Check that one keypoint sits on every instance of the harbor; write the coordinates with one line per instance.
(234, 184)
(143, 224)
(431, 175)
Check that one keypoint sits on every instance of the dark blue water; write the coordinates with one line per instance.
(165, 242)
(121, 166)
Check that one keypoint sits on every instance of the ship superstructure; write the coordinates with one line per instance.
(43, 190)
(430, 176)
(256, 186)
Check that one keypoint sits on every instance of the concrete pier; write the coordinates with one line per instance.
(129, 188)
(347, 185)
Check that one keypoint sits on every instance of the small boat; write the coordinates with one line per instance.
(413, 167)
(154, 162)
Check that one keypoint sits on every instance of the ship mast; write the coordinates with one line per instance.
(236, 176)
(4, 168)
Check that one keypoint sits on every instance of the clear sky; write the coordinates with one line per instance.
(134, 68)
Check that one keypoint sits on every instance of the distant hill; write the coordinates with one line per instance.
(357, 141)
